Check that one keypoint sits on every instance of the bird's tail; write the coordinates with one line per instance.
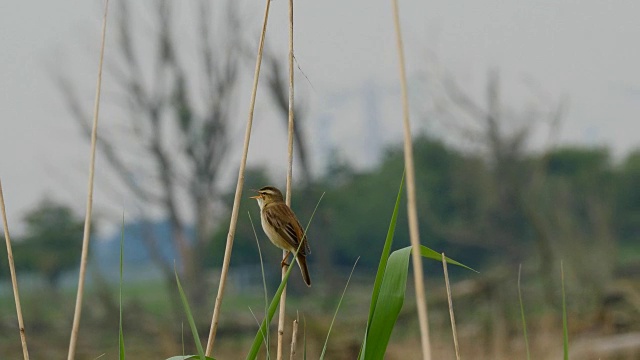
(302, 262)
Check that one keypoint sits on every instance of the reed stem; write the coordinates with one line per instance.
(414, 233)
(236, 201)
(89, 206)
(14, 280)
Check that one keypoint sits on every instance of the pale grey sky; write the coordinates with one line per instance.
(584, 50)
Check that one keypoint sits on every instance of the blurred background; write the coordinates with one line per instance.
(525, 123)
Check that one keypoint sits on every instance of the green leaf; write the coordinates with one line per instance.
(386, 250)
(391, 298)
(434, 255)
(389, 304)
(382, 265)
(192, 323)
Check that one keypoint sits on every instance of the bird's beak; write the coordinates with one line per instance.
(254, 197)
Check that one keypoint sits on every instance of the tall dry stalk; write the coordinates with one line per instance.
(87, 220)
(451, 315)
(294, 339)
(236, 200)
(414, 233)
(283, 297)
(14, 281)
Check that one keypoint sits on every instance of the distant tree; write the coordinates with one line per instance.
(577, 207)
(52, 242)
(628, 199)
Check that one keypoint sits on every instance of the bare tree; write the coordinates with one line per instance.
(176, 86)
(525, 208)
(501, 137)
(508, 217)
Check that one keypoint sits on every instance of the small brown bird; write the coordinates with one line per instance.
(282, 227)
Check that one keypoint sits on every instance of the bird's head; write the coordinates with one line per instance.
(268, 194)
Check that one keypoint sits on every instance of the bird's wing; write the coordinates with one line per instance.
(286, 224)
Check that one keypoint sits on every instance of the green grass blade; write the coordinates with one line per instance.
(304, 338)
(382, 264)
(121, 352)
(524, 321)
(258, 340)
(324, 348)
(192, 323)
(259, 328)
(264, 282)
(565, 328)
(391, 299)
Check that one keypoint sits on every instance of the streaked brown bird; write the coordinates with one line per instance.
(282, 227)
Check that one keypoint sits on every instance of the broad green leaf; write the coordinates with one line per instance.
(389, 290)
(382, 265)
(391, 299)
(389, 304)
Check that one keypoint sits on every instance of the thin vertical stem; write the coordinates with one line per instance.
(290, 127)
(414, 233)
(283, 297)
(14, 280)
(236, 200)
(87, 220)
(565, 327)
(451, 315)
(524, 321)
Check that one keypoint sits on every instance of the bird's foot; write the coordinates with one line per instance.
(284, 263)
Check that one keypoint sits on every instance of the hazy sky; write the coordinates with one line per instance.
(586, 51)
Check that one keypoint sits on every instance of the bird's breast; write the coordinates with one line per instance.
(273, 235)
